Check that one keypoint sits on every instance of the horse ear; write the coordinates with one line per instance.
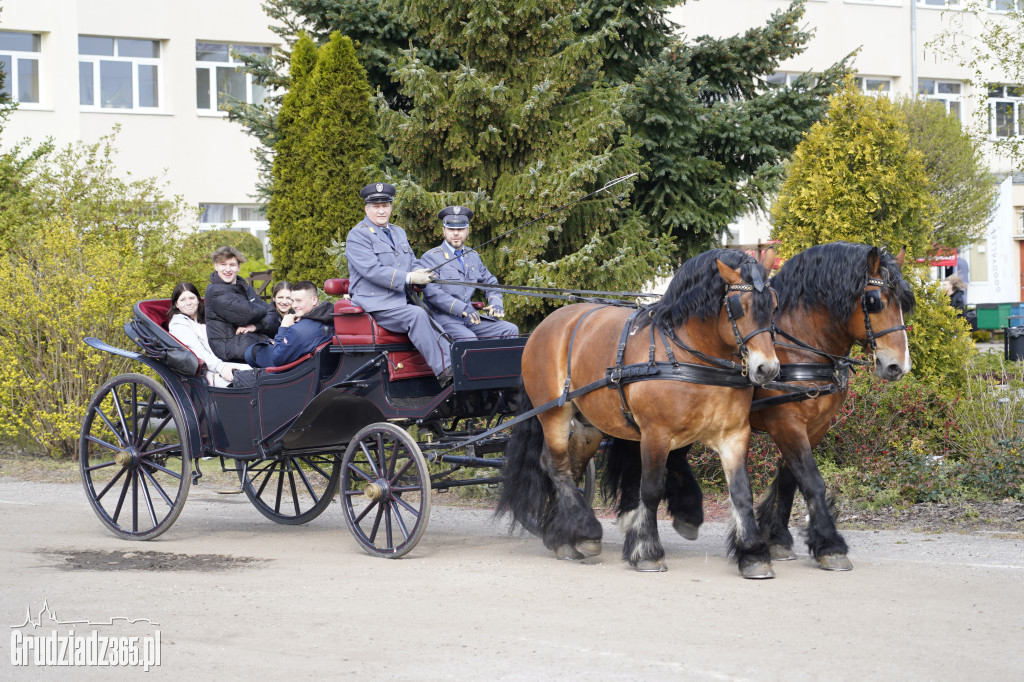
(728, 274)
(901, 256)
(768, 259)
(874, 262)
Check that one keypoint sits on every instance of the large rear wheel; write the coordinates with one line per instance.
(385, 490)
(291, 490)
(134, 457)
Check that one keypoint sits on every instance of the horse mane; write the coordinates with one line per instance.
(697, 290)
(833, 276)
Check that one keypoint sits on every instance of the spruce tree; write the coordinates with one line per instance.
(520, 127)
(327, 141)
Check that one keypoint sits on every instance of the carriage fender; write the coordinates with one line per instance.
(170, 380)
(331, 418)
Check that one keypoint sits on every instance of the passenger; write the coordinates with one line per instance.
(282, 298)
(236, 317)
(301, 332)
(380, 264)
(450, 304)
(186, 321)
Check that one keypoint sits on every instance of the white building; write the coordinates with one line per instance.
(892, 36)
(156, 67)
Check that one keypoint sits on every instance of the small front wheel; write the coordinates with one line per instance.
(385, 490)
(134, 457)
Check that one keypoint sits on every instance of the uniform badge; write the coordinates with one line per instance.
(457, 210)
(380, 187)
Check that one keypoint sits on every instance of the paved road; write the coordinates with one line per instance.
(472, 603)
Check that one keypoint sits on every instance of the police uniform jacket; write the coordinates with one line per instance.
(376, 267)
(230, 306)
(453, 299)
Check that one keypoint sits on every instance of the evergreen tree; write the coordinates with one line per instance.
(856, 177)
(959, 178)
(514, 138)
(327, 144)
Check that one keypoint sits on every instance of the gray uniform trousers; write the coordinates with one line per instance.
(414, 321)
(459, 328)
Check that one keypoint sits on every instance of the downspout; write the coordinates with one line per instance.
(913, 48)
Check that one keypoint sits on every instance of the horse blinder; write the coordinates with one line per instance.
(872, 301)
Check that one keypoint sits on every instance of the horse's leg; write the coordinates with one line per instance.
(683, 494)
(745, 543)
(773, 514)
(823, 540)
(584, 440)
(572, 530)
(641, 546)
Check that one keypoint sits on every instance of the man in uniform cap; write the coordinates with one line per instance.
(450, 303)
(380, 264)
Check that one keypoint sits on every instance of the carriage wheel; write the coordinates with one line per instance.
(291, 490)
(385, 490)
(134, 457)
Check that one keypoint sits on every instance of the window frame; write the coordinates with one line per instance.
(13, 79)
(1018, 7)
(211, 66)
(861, 81)
(1016, 100)
(947, 98)
(135, 62)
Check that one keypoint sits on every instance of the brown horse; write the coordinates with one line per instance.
(830, 296)
(673, 381)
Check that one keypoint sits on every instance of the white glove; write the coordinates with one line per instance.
(495, 312)
(422, 276)
(472, 315)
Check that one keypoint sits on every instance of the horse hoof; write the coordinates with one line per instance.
(759, 570)
(686, 529)
(835, 562)
(568, 553)
(648, 566)
(781, 553)
(589, 547)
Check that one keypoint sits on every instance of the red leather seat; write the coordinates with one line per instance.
(354, 327)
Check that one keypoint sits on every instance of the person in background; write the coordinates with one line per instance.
(450, 304)
(301, 332)
(954, 286)
(236, 317)
(186, 321)
(282, 298)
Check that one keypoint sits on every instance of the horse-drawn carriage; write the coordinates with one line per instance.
(363, 414)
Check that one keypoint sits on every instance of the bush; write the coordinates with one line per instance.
(940, 340)
(205, 243)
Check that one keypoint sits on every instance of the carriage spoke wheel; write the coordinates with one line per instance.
(385, 490)
(134, 458)
(291, 490)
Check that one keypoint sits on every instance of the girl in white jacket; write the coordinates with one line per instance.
(187, 323)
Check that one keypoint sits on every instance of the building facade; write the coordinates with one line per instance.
(157, 68)
(891, 39)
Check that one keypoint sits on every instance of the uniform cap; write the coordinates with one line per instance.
(378, 192)
(455, 216)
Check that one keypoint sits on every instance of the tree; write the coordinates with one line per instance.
(856, 177)
(514, 139)
(326, 151)
(964, 188)
(991, 48)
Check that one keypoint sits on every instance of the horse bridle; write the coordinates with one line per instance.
(871, 302)
(734, 311)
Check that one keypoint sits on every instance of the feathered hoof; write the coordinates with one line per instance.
(781, 553)
(686, 529)
(589, 547)
(757, 570)
(648, 566)
(568, 553)
(835, 562)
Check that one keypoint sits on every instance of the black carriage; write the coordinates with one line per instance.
(362, 414)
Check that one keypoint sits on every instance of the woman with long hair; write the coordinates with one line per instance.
(186, 321)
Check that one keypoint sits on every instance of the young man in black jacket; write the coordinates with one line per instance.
(236, 317)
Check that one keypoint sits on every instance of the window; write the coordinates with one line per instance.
(947, 92)
(873, 85)
(118, 73)
(219, 77)
(1004, 102)
(1006, 5)
(950, 4)
(224, 213)
(977, 260)
(19, 60)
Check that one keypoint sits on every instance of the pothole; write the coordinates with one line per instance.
(127, 560)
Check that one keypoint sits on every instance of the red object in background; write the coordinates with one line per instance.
(943, 257)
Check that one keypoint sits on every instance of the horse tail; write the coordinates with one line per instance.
(528, 493)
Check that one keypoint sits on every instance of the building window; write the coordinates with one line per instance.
(947, 92)
(19, 60)
(118, 73)
(873, 85)
(219, 77)
(941, 4)
(1004, 102)
(226, 213)
(1006, 5)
